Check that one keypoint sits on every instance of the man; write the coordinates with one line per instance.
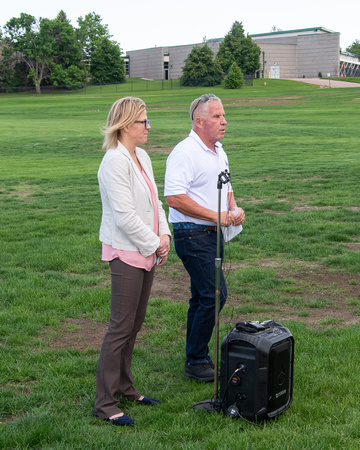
(191, 192)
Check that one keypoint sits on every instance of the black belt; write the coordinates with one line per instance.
(193, 226)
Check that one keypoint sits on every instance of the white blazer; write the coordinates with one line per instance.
(127, 221)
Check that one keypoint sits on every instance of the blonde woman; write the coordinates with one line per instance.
(135, 237)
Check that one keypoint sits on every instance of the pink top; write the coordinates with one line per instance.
(135, 259)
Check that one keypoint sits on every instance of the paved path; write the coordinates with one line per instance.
(327, 83)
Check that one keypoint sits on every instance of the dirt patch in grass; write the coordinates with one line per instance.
(80, 334)
(319, 296)
(266, 102)
(259, 101)
(23, 192)
(159, 150)
(329, 297)
(327, 294)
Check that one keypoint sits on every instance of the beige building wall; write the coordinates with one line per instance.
(149, 63)
(294, 54)
(318, 53)
(177, 56)
(281, 55)
(301, 54)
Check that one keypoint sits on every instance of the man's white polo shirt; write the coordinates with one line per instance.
(193, 169)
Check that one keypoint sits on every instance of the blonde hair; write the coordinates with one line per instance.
(123, 113)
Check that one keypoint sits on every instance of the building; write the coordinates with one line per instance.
(299, 53)
(161, 63)
(349, 65)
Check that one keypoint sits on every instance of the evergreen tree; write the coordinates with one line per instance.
(67, 66)
(201, 69)
(62, 17)
(234, 79)
(235, 47)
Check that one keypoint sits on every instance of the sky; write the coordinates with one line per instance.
(139, 24)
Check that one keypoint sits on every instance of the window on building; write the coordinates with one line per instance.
(127, 66)
(166, 70)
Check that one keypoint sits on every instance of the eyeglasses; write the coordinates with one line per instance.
(204, 98)
(145, 122)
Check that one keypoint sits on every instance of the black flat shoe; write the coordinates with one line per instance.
(148, 401)
(122, 421)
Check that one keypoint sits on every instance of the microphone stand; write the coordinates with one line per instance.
(224, 177)
(213, 405)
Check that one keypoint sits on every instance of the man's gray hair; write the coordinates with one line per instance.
(201, 104)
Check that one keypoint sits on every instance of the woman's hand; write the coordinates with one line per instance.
(164, 246)
(162, 261)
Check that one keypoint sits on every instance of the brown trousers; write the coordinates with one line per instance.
(130, 291)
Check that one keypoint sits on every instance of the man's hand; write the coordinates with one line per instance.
(240, 217)
(227, 218)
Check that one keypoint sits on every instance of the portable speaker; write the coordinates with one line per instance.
(256, 372)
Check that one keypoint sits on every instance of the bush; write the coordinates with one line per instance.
(234, 79)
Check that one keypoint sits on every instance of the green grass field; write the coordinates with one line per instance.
(294, 153)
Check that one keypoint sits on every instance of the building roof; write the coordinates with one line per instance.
(295, 32)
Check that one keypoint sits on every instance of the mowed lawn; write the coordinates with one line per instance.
(294, 154)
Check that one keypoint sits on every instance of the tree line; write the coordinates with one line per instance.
(40, 52)
(52, 52)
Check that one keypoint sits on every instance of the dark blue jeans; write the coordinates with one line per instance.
(197, 251)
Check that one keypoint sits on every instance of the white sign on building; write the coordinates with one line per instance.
(275, 72)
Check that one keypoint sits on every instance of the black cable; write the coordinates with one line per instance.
(215, 405)
(248, 421)
(229, 381)
(238, 413)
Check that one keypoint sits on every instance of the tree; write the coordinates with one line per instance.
(235, 47)
(13, 73)
(201, 69)
(46, 47)
(100, 53)
(62, 16)
(354, 48)
(66, 66)
(234, 79)
(21, 44)
(89, 31)
(106, 64)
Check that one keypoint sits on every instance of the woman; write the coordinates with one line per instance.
(135, 236)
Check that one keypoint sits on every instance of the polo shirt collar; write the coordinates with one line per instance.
(195, 136)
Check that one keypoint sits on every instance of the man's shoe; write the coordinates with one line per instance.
(201, 372)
